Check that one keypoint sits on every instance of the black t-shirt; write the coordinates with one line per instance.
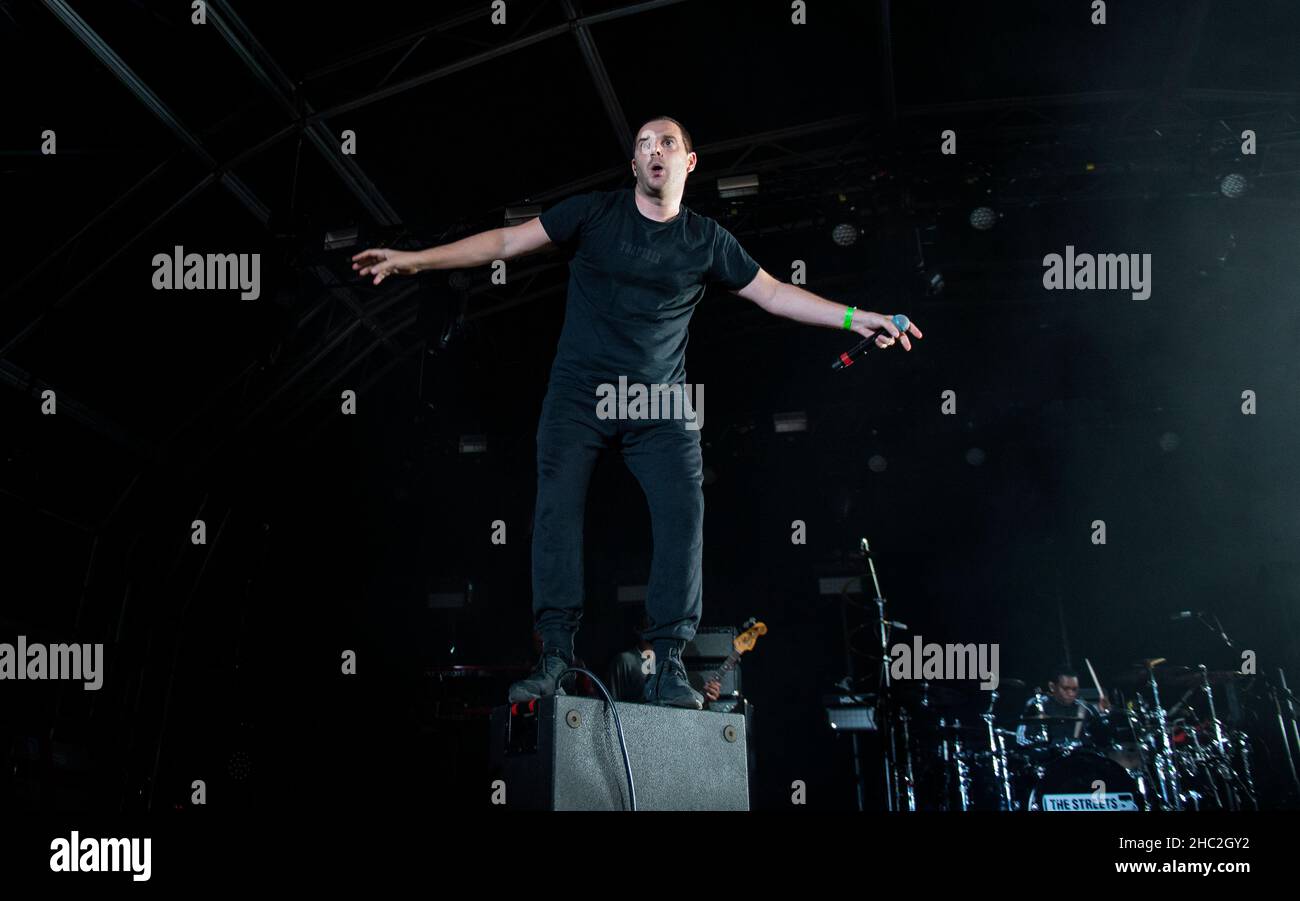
(633, 284)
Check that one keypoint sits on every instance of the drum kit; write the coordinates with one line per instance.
(955, 753)
(948, 748)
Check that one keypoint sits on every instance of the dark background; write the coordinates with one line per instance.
(328, 532)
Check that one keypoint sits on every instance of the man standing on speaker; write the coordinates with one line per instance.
(640, 263)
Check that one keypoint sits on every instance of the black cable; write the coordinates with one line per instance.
(618, 726)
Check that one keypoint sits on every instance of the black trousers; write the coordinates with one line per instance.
(664, 456)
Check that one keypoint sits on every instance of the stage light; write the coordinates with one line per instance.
(790, 422)
(845, 234)
(632, 594)
(983, 218)
(852, 719)
(340, 238)
(239, 765)
(737, 186)
(934, 283)
(518, 215)
(1233, 185)
(445, 600)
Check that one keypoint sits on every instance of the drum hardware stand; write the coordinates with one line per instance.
(1214, 716)
(1244, 783)
(1290, 707)
(908, 781)
(1039, 698)
(946, 756)
(1165, 765)
(1146, 748)
(1141, 775)
(998, 750)
(1247, 775)
(1200, 763)
(1278, 695)
(963, 769)
(1233, 784)
(953, 759)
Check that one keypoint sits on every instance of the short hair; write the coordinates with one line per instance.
(1060, 670)
(686, 135)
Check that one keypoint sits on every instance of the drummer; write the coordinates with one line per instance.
(1062, 703)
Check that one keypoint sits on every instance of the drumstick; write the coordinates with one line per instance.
(1095, 681)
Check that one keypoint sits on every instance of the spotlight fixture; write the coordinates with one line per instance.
(790, 422)
(983, 218)
(518, 215)
(445, 600)
(473, 444)
(340, 238)
(934, 283)
(845, 234)
(738, 186)
(1233, 185)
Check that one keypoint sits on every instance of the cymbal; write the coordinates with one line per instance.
(1140, 673)
(935, 694)
(926, 726)
(1174, 675)
(1215, 677)
(1044, 720)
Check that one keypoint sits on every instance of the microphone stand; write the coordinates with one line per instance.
(884, 700)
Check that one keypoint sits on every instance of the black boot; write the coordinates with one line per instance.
(544, 680)
(667, 685)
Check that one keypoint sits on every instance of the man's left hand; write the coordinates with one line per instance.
(867, 324)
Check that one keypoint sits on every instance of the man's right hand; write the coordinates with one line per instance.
(382, 262)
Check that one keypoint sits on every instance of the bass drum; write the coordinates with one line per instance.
(1082, 781)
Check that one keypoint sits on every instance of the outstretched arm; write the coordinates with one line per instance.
(792, 302)
(476, 250)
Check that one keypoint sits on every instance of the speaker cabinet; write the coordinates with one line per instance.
(562, 753)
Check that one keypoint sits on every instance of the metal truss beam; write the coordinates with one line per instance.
(264, 68)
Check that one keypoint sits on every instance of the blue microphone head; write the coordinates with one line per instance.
(901, 322)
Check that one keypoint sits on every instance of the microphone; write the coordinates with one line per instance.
(846, 359)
